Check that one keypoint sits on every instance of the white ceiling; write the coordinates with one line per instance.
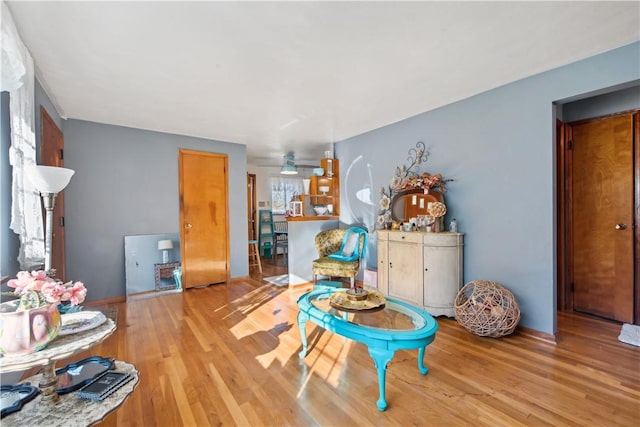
(296, 76)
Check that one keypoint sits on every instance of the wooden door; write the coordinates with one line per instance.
(602, 217)
(251, 206)
(204, 218)
(52, 154)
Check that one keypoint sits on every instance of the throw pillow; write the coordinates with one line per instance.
(350, 244)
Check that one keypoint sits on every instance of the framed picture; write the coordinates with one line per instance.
(296, 208)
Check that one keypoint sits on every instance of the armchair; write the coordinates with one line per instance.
(340, 252)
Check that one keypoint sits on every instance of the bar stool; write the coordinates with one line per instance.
(281, 234)
(284, 244)
(254, 255)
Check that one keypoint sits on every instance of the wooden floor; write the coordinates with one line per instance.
(228, 355)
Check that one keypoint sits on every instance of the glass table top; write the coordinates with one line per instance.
(393, 315)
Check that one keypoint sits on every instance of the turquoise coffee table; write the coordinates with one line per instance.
(398, 326)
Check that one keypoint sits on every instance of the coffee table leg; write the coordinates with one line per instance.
(423, 369)
(302, 326)
(381, 358)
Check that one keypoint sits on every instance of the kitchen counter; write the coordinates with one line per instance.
(312, 218)
(302, 248)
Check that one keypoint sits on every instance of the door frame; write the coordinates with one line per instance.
(252, 228)
(52, 154)
(564, 190)
(636, 225)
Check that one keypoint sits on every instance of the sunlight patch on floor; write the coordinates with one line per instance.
(266, 359)
(252, 300)
(241, 329)
(322, 361)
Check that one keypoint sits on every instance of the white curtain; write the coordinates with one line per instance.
(282, 190)
(18, 79)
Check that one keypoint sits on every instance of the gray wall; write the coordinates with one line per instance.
(126, 183)
(498, 146)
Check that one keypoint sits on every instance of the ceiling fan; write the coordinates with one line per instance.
(289, 166)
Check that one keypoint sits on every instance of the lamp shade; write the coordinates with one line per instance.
(165, 244)
(288, 170)
(288, 165)
(49, 179)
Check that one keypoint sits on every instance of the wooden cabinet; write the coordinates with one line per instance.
(324, 190)
(423, 269)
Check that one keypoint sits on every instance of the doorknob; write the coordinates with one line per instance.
(188, 225)
(621, 226)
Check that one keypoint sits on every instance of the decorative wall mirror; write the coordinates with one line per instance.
(411, 203)
(412, 193)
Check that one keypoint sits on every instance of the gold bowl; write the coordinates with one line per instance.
(357, 294)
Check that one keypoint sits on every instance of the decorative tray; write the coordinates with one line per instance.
(12, 397)
(342, 301)
(80, 321)
(78, 374)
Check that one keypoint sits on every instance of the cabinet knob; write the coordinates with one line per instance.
(390, 265)
(621, 226)
(188, 225)
(426, 269)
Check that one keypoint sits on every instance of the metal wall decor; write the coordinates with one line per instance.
(407, 179)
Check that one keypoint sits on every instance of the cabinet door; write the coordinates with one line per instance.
(383, 266)
(442, 278)
(405, 271)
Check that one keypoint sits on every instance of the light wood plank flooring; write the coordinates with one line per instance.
(228, 355)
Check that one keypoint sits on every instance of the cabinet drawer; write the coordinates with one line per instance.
(401, 236)
(443, 239)
(383, 235)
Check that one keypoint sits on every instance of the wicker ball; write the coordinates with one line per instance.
(487, 309)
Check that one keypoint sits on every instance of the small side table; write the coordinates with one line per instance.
(165, 277)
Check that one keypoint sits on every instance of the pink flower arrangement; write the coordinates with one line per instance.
(37, 289)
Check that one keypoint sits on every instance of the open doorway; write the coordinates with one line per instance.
(598, 192)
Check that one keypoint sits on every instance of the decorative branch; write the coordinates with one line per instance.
(417, 156)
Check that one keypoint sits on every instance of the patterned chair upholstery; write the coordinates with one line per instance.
(330, 242)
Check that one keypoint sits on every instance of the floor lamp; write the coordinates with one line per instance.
(49, 181)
